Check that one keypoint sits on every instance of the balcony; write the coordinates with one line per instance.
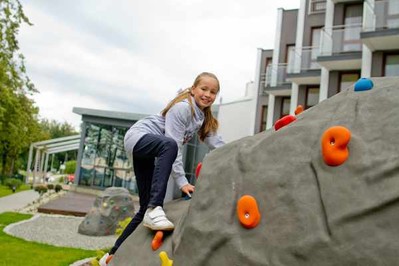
(341, 47)
(317, 6)
(381, 29)
(306, 69)
(345, 1)
(275, 79)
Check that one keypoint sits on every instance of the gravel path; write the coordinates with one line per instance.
(58, 230)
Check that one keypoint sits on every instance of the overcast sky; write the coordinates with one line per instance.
(133, 55)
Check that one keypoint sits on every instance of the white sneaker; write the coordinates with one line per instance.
(105, 259)
(155, 219)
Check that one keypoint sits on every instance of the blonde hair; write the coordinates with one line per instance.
(210, 123)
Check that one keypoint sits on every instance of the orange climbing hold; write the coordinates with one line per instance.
(299, 109)
(107, 261)
(157, 240)
(334, 145)
(247, 211)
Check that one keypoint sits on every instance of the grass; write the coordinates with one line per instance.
(15, 251)
(5, 191)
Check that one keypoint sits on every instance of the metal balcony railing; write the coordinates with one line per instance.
(317, 6)
(381, 15)
(304, 59)
(276, 75)
(340, 39)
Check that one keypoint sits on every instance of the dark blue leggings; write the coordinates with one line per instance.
(152, 178)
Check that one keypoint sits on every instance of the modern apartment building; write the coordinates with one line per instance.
(322, 48)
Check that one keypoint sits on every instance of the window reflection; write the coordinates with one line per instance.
(104, 160)
(105, 163)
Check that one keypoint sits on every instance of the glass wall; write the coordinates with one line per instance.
(193, 153)
(104, 161)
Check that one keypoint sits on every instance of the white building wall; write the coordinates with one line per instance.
(236, 119)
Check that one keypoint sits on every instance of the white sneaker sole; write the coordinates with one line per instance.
(159, 228)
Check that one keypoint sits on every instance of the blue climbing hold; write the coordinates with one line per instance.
(364, 84)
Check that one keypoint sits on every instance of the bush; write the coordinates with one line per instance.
(99, 254)
(13, 183)
(41, 189)
(122, 225)
(61, 179)
(50, 186)
(58, 188)
(70, 167)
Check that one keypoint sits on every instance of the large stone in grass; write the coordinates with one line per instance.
(112, 206)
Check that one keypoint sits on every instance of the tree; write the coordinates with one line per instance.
(18, 116)
(12, 66)
(53, 129)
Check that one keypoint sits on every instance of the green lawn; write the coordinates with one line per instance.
(15, 251)
(5, 191)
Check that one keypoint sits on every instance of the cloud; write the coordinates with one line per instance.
(134, 55)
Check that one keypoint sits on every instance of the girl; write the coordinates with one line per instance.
(162, 137)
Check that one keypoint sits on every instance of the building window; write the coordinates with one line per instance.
(316, 35)
(317, 6)
(347, 79)
(285, 106)
(263, 118)
(312, 96)
(387, 14)
(104, 161)
(353, 21)
(391, 66)
(290, 58)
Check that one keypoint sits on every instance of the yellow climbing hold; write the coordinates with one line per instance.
(165, 261)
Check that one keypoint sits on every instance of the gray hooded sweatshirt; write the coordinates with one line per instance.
(178, 124)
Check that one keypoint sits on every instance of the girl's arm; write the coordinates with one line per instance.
(176, 121)
(213, 141)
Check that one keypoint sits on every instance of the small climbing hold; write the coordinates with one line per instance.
(248, 212)
(198, 169)
(299, 109)
(109, 258)
(364, 84)
(334, 145)
(165, 261)
(282, 122)
(157, 240)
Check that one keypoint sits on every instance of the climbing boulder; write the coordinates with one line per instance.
(313, 195)
(112, 206)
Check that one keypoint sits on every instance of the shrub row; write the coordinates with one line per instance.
(41, 189)
(13, 183)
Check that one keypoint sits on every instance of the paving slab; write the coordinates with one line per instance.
(17, 200)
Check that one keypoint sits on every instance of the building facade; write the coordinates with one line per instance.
(322, 48)
(239, 114)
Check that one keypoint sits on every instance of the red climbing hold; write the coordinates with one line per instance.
(282, 122)
(198, 169)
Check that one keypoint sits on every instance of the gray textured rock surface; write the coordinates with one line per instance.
(112, 206)
(312, 214)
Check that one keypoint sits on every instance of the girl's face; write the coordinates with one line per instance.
(205, 92)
